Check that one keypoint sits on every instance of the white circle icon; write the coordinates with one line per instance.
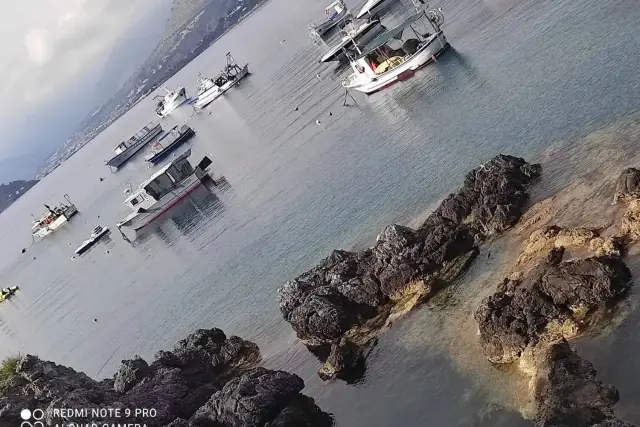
(25, 414)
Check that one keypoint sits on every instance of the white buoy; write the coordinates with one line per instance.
(318, 122)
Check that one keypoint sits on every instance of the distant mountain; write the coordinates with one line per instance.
(12, 191)
(193, 26)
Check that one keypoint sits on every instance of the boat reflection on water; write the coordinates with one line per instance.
(186, 218)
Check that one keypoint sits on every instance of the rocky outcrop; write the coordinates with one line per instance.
(260, 397)
(565, 388)
(628, 185)
(349, 289)
(178, 384)
(550, 300)
(346, 360)
(130, 373)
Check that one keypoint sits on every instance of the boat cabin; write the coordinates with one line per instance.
(137, 137)
(395, 46)
(160, 184)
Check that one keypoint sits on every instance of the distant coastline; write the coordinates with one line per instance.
(12, 191)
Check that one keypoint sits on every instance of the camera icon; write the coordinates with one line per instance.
(28, 415)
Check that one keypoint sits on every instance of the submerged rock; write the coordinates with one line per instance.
(549, 300)
(177, 384)
(346, 361)
(348, 289)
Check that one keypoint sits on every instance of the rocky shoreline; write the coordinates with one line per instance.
(206, 380)
(562, 280)
(340, 304)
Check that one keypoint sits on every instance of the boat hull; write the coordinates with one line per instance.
(160, 156)
(89, 244)
(373, 7)
(208, 97)
(424, 56)
(57, 223)
(142, 219)
(213, 94)
(171, 106)
(122, 158)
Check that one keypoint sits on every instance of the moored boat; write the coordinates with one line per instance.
(210, 89)
(164, 189)
(169, 143)
(127, 149)
(96, 235)
(372, 7)
(352, 35)
(54, 218)
(338, 14)
(170, 101)
(378, 65)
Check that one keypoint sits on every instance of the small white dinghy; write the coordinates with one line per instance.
(96, 234)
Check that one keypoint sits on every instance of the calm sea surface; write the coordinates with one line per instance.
(545, 80)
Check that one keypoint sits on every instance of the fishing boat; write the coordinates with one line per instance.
(378, 65)
(169, 143)
(170, 101)
(96, 235)
(127, 149)
(352, 35)
(210, 89)
(155, 196)
(338, 13)
(372, 7)
(54, 218)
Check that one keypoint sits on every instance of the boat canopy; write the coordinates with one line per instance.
(390, 34)
(164, 180)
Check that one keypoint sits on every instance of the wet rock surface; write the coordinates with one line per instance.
(177, 385)
(549, 300)
(566, 389)
(347, 289)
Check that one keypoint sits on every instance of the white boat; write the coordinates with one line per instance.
(208, 92)
(170, 101)
(353, 35)
(127, 149)
(164, 189)
(211, 89)
(96, 234)
(378, 65)
(372, 7)
(54, 218)
(338, 13)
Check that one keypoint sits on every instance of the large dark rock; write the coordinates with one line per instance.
(130, 373)
(177, 384)
(258, 398)
(566, 390)
(628, 185)
(549, 299)
(348, 289)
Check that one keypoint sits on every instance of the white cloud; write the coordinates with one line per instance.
(38, 46)
(44, 43)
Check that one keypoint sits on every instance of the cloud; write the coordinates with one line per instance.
(38, 46)
(60, 38)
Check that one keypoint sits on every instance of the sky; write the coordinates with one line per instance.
(51, 51)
